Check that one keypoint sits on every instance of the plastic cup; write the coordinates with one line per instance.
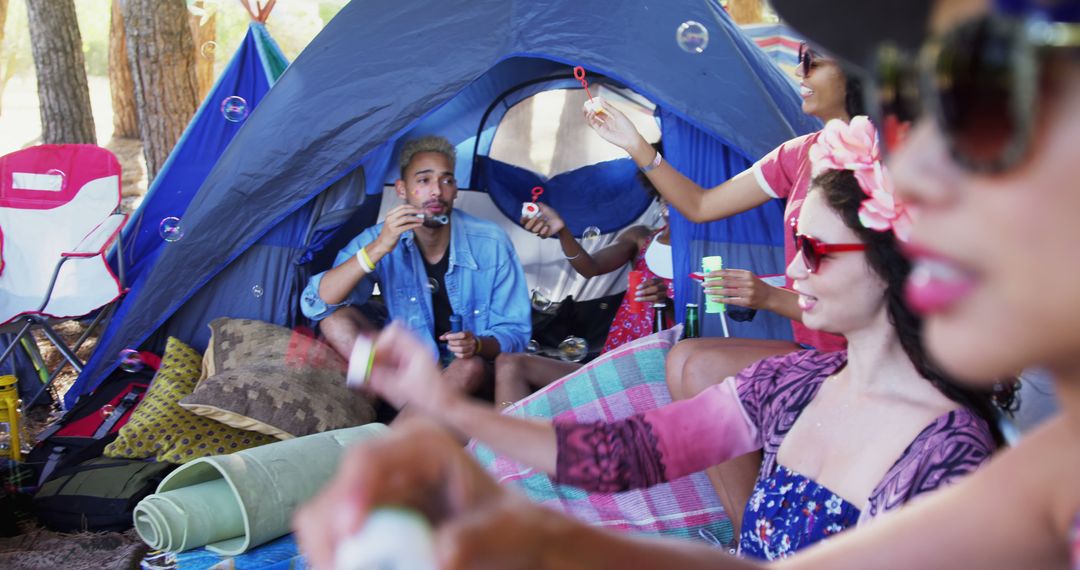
(712, 263)
(636, 278)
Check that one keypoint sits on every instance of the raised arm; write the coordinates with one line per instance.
(338, 283)
(619, 253)
(737, 195)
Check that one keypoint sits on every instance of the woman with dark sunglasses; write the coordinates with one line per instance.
(846, 436)
(995, 274)
(694, 365)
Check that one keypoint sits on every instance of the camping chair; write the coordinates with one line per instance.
(59, 209)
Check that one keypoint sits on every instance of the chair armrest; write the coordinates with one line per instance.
(99, 238)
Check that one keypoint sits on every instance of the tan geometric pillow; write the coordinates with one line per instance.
(160, 428)
(269, 379)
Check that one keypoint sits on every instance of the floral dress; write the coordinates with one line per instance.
(755, 411)
(628, 325)
(774, 529)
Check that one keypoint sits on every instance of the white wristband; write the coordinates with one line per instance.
(655, 162)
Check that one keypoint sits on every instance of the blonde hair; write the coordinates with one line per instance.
(429, 143)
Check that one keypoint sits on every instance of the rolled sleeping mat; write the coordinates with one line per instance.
(232, 503)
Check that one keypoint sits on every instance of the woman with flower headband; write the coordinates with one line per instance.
(846, 436)
(692, 366)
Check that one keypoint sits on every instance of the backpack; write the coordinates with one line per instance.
(97, 495)
(90, 425)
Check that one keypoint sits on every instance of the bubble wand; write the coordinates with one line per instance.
(530, 209)
(579, 74)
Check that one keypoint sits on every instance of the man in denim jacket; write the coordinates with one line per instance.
(430, 262)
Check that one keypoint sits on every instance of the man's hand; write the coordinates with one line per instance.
(398, 221)
(462, 344)
(652, 291)
(404, 372)
(738, 287)
(546, 224)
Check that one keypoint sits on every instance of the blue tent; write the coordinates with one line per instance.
(303, 169)
(255, 66)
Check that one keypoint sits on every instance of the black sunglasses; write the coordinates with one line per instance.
(980, 83)
(813, 251)
(808, 60)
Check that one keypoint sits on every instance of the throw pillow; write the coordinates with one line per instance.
(269, 379)
(160, 428)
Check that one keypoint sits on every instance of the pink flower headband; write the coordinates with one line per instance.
(854, 146)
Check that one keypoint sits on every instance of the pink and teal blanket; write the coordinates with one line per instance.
(618, 384)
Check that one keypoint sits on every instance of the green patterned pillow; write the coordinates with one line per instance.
(160, 428)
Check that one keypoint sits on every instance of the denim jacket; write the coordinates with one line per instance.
(485, 283)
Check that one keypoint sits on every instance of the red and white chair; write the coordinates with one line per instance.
(59, 214)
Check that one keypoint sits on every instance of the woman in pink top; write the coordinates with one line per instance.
(784, 173)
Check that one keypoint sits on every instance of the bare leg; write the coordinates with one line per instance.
(342, 327)
(694, 366)
(473, 376)
(518, 374)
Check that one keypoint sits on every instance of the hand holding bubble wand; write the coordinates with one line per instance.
(532, 209)
(579, 74)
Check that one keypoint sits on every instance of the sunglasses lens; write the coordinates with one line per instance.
(974, 82)
(809, 254)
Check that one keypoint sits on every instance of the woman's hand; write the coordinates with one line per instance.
(612, 125)
(738, 287)
(652, 291)
(545, 224)
(417, 466)
(405, 372)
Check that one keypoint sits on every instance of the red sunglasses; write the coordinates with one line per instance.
(813, 250)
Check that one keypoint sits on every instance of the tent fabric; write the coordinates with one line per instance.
(384, 70)
(250, 73)
(750, 240)
(601, 195)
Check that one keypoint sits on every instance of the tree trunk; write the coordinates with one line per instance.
(204, 34)
(3, 18)
(745, 11)
(125, 116)
(162, 57)
(63, 92)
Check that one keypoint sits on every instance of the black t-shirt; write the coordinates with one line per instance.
(440, 301)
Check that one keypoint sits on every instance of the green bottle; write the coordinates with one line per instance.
(692, 326)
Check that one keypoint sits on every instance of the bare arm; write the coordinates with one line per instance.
(531, 442)
(608, 259)
(612, 257)
(737, 195)
(339, 282)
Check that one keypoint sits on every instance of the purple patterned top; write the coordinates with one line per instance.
(756, 410)
(1076, 543)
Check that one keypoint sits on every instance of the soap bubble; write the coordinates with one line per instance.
(591, 233)
(234, 108)
(208, 49)
(433, 285)
(130, 361)
(533, 347)
(692, 37)
(171, 230)
(107, 410)
(541, 299)
(257, 291)
(58, 182)
(573, 349)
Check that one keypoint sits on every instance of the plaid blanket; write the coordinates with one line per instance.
(620, 383)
